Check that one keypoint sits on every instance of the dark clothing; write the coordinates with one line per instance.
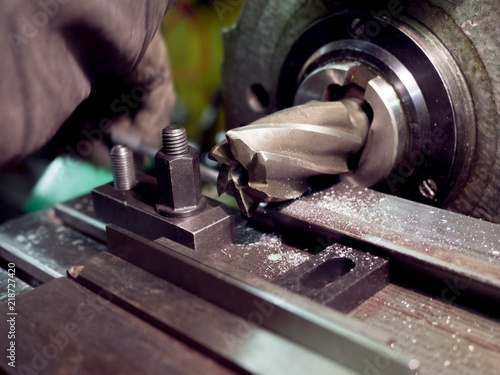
(55, 52)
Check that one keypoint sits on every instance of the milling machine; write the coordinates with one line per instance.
(362, 150)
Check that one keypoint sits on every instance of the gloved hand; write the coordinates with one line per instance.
(92, 56)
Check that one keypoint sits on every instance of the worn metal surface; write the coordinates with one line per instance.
(470, 31)
(433, 241)
(238, 341)
(79, 214)
(445, 337)
(134, 210)
(264, 254)
(338, 277)
(298, 319)
(43, 248)
(272, 159)
(17, 285)
(261, 253)
(63, 328)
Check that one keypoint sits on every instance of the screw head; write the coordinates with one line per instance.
(428, 188)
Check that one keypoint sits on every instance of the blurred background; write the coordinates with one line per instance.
(192, 31)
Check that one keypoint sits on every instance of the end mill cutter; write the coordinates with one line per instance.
(272, 159)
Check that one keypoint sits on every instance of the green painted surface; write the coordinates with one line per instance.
(65, 179)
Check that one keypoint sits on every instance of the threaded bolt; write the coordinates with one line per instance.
(174, 139)
(123, 168)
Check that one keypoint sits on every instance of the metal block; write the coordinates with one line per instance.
(134, 210)
(338, 277)
(79, 214)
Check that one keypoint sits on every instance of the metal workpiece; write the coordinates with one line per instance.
(293, 317)
(122, 167)
(419, 239)
(339, 277)
(272, 159)
(178, 173)
(135, 210)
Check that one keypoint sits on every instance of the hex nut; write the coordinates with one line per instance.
(179, 186)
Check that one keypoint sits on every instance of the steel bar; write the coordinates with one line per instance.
(448, 339)
(79, 214)
(433, 241)
(43, 248)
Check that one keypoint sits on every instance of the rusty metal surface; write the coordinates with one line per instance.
(63, 328)
(446, 338)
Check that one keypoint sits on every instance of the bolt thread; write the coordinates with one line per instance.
(174, 139)
(123, 168)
